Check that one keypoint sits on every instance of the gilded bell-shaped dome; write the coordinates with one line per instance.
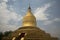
(29, 19)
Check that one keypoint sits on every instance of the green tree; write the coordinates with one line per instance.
(1, 35)
(7, 33)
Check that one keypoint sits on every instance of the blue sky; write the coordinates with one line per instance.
(47, 13)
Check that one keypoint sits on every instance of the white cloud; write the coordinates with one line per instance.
(4, 28)
(48, 22)
(5, 0)
(40, 12)
(57, 19)
(50, 25)
(53, 27)
(6, 15)
(14, 0)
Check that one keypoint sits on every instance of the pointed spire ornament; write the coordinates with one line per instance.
(29, 19)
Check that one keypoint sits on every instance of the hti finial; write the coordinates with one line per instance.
(29, 6)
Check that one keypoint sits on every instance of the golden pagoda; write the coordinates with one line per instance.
(29, 19)
(29, 30)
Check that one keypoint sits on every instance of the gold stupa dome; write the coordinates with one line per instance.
(29, 19)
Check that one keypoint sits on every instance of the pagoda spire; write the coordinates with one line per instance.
(29, 19)
(29, 13)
